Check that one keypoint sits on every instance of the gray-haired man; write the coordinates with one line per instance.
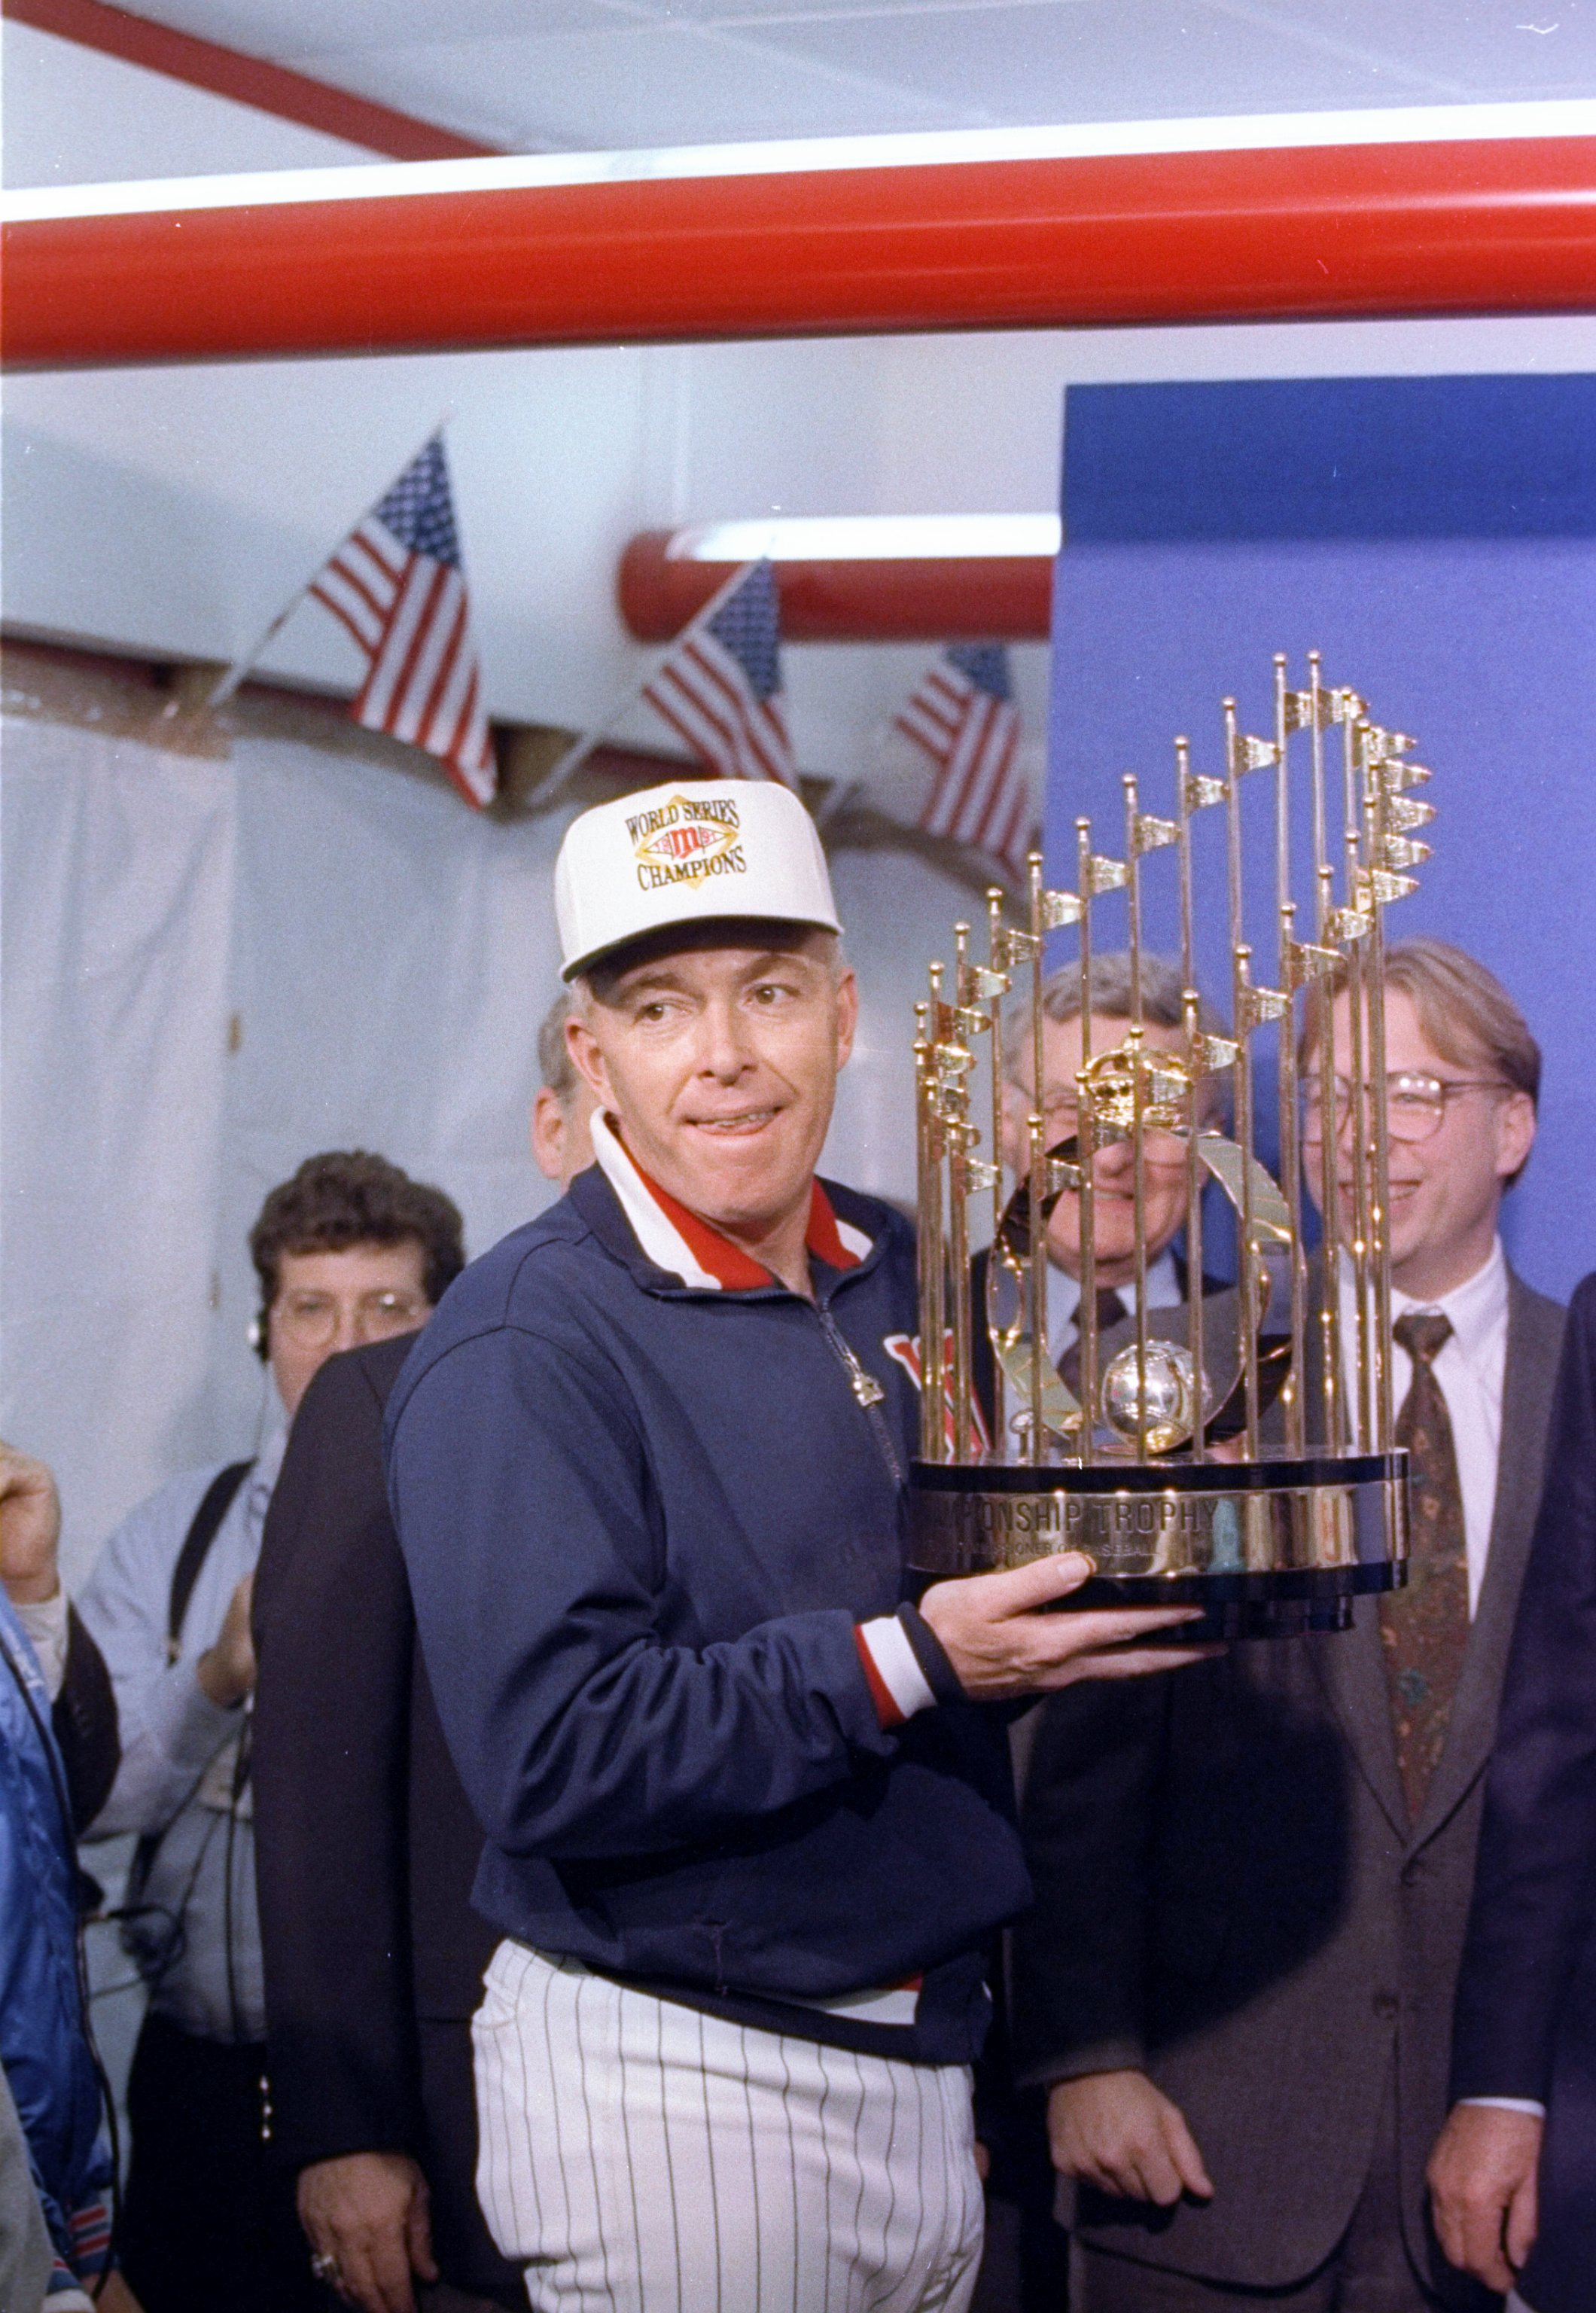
(562, 1144)
(1163, 1202)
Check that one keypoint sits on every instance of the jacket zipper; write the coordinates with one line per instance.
(867, 1390)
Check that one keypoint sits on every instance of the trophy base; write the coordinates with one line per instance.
(1266, 1549)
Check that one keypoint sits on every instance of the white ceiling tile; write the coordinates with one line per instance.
(73, 117)
(1091, 60)
(655, 86)
(761, 13)
(280, 28)
(1489, 50)
(570, 74)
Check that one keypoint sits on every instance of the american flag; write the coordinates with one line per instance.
(720, 689)
(397, 585)
(962, 714)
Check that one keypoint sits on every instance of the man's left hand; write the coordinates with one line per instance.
(30, 1528)
(369, 2213)
(1482, 2179)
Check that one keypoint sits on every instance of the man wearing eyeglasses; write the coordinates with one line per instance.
(1238, 1981)
(349, 1250)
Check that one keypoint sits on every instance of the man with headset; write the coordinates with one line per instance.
(348, 1251)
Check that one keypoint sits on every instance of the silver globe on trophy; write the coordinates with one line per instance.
(1236, 1453)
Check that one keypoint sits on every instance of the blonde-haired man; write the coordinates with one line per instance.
(1238, 1979)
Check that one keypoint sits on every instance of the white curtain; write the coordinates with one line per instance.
(212, 969)
(117, 898)
(393, 953)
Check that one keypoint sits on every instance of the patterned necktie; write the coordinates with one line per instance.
(1111, 1310)
(1425, 1628)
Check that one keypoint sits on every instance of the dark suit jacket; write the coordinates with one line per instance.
(365, 1848)
(1526, 2013)
(981, 1359)
(1230, 1896)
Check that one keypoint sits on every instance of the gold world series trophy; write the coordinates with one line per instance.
(1243, 1459)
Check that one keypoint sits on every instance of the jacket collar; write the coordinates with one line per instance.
(686, 1249)
(1534, 1341)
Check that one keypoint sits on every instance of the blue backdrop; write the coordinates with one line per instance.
(1436, 538)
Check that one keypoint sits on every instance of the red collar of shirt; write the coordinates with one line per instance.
(715, 1255)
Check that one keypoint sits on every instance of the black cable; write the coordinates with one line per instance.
(162, 1961)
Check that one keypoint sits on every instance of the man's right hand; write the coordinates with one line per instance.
(1482, 2179)
(1001, 1643)
(29, 1527)
(1116, 2130)
(369, 2212)
(227, 1672)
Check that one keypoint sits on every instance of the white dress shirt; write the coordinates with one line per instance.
(179, 1750)
(1470, 1368)
(1064, 1299)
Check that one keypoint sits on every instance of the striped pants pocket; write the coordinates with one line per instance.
(641, 2157)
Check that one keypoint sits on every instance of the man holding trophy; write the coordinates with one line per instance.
(747, 1841)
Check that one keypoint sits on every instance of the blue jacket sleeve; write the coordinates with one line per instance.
(1534, 1894)
(542, 1584)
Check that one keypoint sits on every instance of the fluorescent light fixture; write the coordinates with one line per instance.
(871, 538)
(386, 180)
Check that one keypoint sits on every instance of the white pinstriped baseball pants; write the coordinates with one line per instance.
(642, 2157)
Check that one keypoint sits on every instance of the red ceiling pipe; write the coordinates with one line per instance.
(970, 599)
(1480, 226)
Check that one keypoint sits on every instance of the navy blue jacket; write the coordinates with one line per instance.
(642, 1520)
(1526, 2006)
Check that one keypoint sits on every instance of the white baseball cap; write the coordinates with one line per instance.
(684, 854)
